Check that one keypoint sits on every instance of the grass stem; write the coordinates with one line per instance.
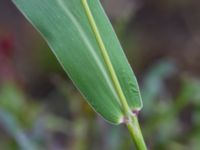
(136, 134)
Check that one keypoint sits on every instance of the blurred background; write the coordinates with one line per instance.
(41, 110)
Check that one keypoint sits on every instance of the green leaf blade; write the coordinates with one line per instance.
(65, 27)
(122, 68)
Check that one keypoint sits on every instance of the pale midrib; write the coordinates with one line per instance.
(90, 47)
(115, 81)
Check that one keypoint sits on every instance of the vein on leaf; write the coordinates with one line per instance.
(104, 52)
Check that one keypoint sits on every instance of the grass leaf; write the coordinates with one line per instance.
(66, 27)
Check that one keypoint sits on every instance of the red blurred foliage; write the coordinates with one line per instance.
(6, 46)
(6, 58)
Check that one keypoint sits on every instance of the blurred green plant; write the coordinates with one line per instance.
(13, 108)
(15, 131)
(165, 121)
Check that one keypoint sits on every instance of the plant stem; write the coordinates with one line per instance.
(136, 134)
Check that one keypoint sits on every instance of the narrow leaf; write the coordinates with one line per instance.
(83, 40)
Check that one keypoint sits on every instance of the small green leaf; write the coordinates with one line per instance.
(79, 34)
